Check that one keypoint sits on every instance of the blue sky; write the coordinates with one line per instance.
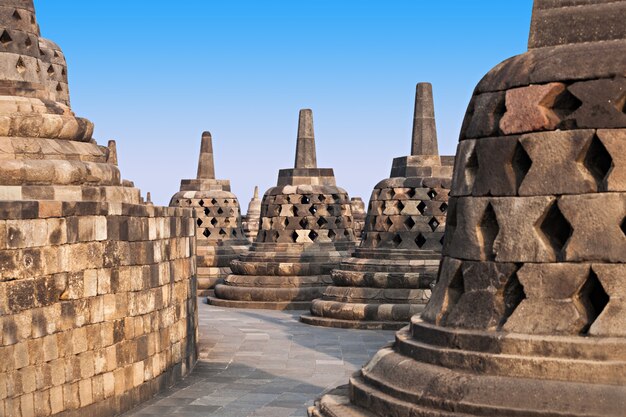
(154, 74)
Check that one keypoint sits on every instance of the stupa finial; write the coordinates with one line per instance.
(424, 126)
(305, 149)
(206, 165)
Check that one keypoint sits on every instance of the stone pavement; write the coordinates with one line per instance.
(263, 363)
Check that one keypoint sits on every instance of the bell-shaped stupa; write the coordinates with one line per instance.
(252, 219)
(528, 314)
(389, 277)
(219, 232)
(306, 229)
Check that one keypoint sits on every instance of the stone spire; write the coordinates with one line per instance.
(424, 126)
(206, 165)
(305, 148)
(562, 22)
(256, 193)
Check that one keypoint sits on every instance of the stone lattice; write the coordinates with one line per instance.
(97, 291)
(306, 228)
(389, 277)
(252, 219)
(219, 233)
(527, 317)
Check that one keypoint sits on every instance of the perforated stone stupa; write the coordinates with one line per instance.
(219, 232)
(97, 291)
(306, 229)
(389, 277)
(527, 318)
(252, 219)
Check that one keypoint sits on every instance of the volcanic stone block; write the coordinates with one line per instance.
(527, 314)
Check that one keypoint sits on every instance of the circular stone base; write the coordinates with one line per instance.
(352, 324)
(260, 305)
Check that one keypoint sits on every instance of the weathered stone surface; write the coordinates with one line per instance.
(527, 313)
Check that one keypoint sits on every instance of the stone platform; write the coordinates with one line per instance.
(262, 364)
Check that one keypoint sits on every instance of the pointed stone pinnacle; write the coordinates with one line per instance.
(148, 197)
(112, 158)
(424, 126)
(305, 148)
(206, 166)
(256, 192)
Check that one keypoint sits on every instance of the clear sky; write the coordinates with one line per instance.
(154, 74)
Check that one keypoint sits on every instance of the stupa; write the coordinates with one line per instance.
(219, 232)
(252, 218)
(358, 215)
(306, 229)
(527, 317)
(389, 277)
(98, 310)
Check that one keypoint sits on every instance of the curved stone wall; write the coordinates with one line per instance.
(97, 305)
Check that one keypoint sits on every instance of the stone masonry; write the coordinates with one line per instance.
(306, 229)
(97, 291)
(389, 277)
(358, 215)
(219, 233)
(527, 317)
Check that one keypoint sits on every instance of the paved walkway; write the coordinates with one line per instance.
(263, 363)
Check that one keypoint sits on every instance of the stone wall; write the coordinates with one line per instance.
(97, 305)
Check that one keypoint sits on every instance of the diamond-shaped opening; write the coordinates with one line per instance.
(434, 224)
(397, 240)
(59, 87)
(304, 223)
(389, 222)
(443, 207)
(313, 210)
(28, 42)
(411, 193)
(201, 202)
(487, 231)
(220, 211)
(206, 233)
(420, 241)
(456, 289)
(223, 232)
(598, 162)
(234, 232)
(338, 221)
(442, 240)
(214, 222)
(226, 202)
(321, 198)
(513, 295)
(199, 222)
(432, 194)
(313, 235)
(422, 207)
(594, 298)
(214, 201)
(286, 221)
(20, 66)
(51, 70)
(564, 105)
(392, 193)
(346, 233)
(400, 206)
(556, 229)
(16, 15)
(336, 198)
(206, 211)
(322, 222)
(188, 202)
(521, 164)
(275, 236)
(5, 38)
(305, 199)
(332, 234)
(294, 236)
(410, 223)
